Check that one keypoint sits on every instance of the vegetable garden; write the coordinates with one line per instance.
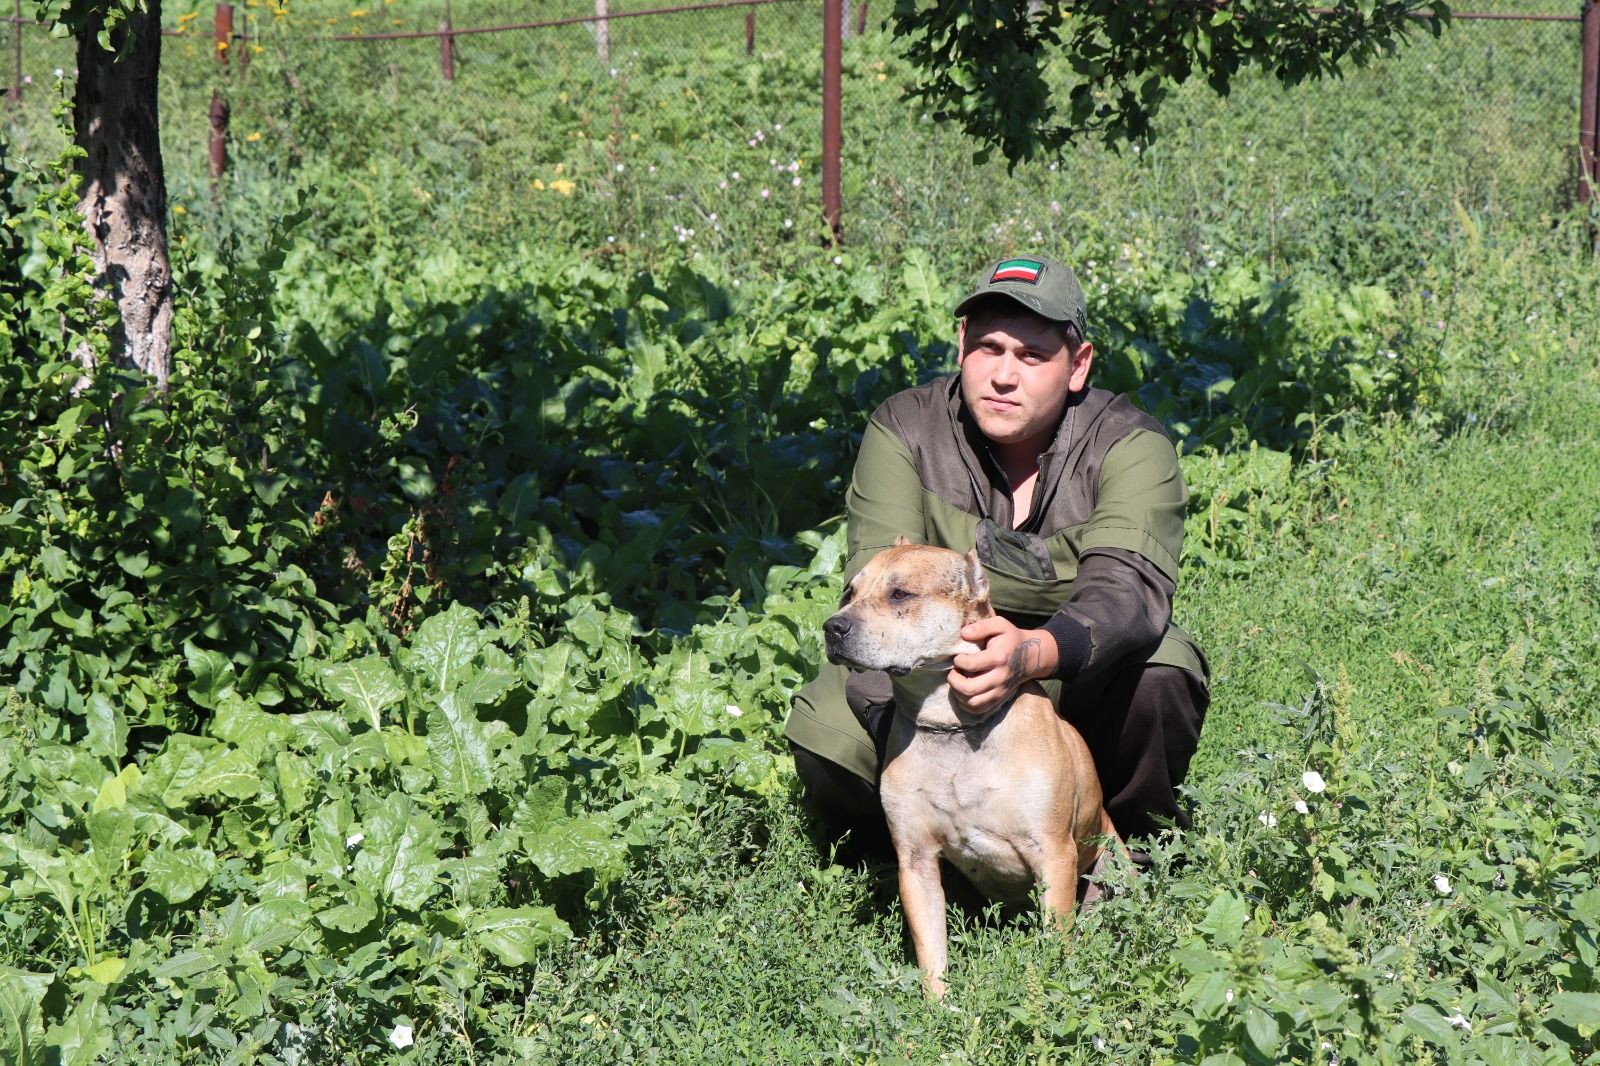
(405, 685)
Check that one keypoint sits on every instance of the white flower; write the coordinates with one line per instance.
(1228, 995)
(733, 709)
(1301, 808)
(777, 127)
(838, 260)
(713, 216)
(400, 1036)
(722, 184)
(1460, 1021)
(734, 175)
(60, 72)
(795, 182)
(1442, 883)
(788, 223)
(765, 193)
(1313, 781)
(1268, 819)
(353, 839)
(620, 167)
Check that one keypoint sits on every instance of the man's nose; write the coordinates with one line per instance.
(836, 628)
(1005, 371)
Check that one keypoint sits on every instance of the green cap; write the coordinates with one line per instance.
(1045, 287)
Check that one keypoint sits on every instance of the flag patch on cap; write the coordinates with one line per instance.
(1027, 270)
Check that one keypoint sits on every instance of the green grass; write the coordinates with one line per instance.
(1421, 566)
(1403, 599)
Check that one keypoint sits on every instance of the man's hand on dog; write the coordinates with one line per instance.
(1007, 658)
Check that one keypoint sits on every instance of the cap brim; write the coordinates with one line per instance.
(1027, 300)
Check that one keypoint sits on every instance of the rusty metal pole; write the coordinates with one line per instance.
(832, 12)
(447, 46)
(1589, 106)
(222, 31)
(217, 148)
(861, 19)
(749, 33)
(15, 95)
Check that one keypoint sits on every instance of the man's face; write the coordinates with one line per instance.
(1016, 375)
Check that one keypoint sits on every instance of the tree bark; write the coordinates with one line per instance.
(124, 201)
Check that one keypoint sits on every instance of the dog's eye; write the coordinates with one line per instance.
(901, 596)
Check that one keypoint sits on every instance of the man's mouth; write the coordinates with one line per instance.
(999, 404)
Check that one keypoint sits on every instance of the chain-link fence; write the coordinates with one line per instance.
(700, 124)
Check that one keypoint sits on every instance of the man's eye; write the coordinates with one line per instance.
(901, 596)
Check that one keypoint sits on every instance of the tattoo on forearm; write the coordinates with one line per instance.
(1026, 660)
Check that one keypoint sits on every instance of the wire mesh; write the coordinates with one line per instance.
(701, 128)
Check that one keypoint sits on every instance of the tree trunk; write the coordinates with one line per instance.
(124, 185)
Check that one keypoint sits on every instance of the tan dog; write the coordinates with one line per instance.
(1010, 799)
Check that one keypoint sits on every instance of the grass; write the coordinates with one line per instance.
(1426, 562)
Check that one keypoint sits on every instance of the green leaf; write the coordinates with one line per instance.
(514, 935)
(1262, 1028)
(213, 675)
(84, 1036)
(21, 1021)
(460, 747)
(108, 728)
(1225, 919)
(190, 768)
(365, 686)
(398, 857)
(445, 646)
(351, 916)
(1429, 1022)
(176, 875)
(571, 845)
(1580, 1010)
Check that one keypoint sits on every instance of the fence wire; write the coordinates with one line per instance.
(703, 127)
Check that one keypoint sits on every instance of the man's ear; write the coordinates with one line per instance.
(961, 341)
(900, 540)
(1080, 368)
(974, 577)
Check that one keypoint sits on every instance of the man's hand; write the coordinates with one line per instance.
(1008, 657)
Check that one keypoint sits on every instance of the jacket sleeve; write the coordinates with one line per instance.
(1121, 599)
(885, 497)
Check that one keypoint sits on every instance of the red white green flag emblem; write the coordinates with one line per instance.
(1027, 270)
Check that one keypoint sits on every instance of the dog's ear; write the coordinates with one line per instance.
(900, 541)
(973, 577)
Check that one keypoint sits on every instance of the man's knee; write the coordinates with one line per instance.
(1143, 731)
(841, 801)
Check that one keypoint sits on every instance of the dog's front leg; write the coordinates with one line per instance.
(1059, 872)
(922, 895)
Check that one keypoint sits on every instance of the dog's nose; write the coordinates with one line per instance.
(836, 629)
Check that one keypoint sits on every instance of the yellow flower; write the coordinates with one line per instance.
(222, 46)
(633, 136)
(257, 49)
(561, 168)
(562, 186)
(254, 136)
(179, 209)
(883, 77)
(360, 12)
(562, 97)
(537, 186)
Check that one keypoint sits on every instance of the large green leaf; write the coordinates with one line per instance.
(21, 1022)
(398, 854)
(445, 646)
(84, 1036)
(177, 874)
(190, 768)
(514, 935)
(461, 746)
(570, 845)
(366, 687)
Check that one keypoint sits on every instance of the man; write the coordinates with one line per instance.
(1075, 503)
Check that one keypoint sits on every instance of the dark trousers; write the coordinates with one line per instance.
(1142, 729)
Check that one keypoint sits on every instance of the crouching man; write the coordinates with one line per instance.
(1074, 501)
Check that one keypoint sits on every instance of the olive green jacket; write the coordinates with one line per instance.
(1095, 561)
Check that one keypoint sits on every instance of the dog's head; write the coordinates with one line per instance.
(905, 609)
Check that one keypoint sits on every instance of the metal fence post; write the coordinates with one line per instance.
(222, 31)
(217, 146)
(832, 15)
(447, 52)
(602, 29)
(750, 33)
(15, 93)
(1589, 106)
(861, 19)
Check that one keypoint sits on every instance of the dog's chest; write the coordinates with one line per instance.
(978, 819)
